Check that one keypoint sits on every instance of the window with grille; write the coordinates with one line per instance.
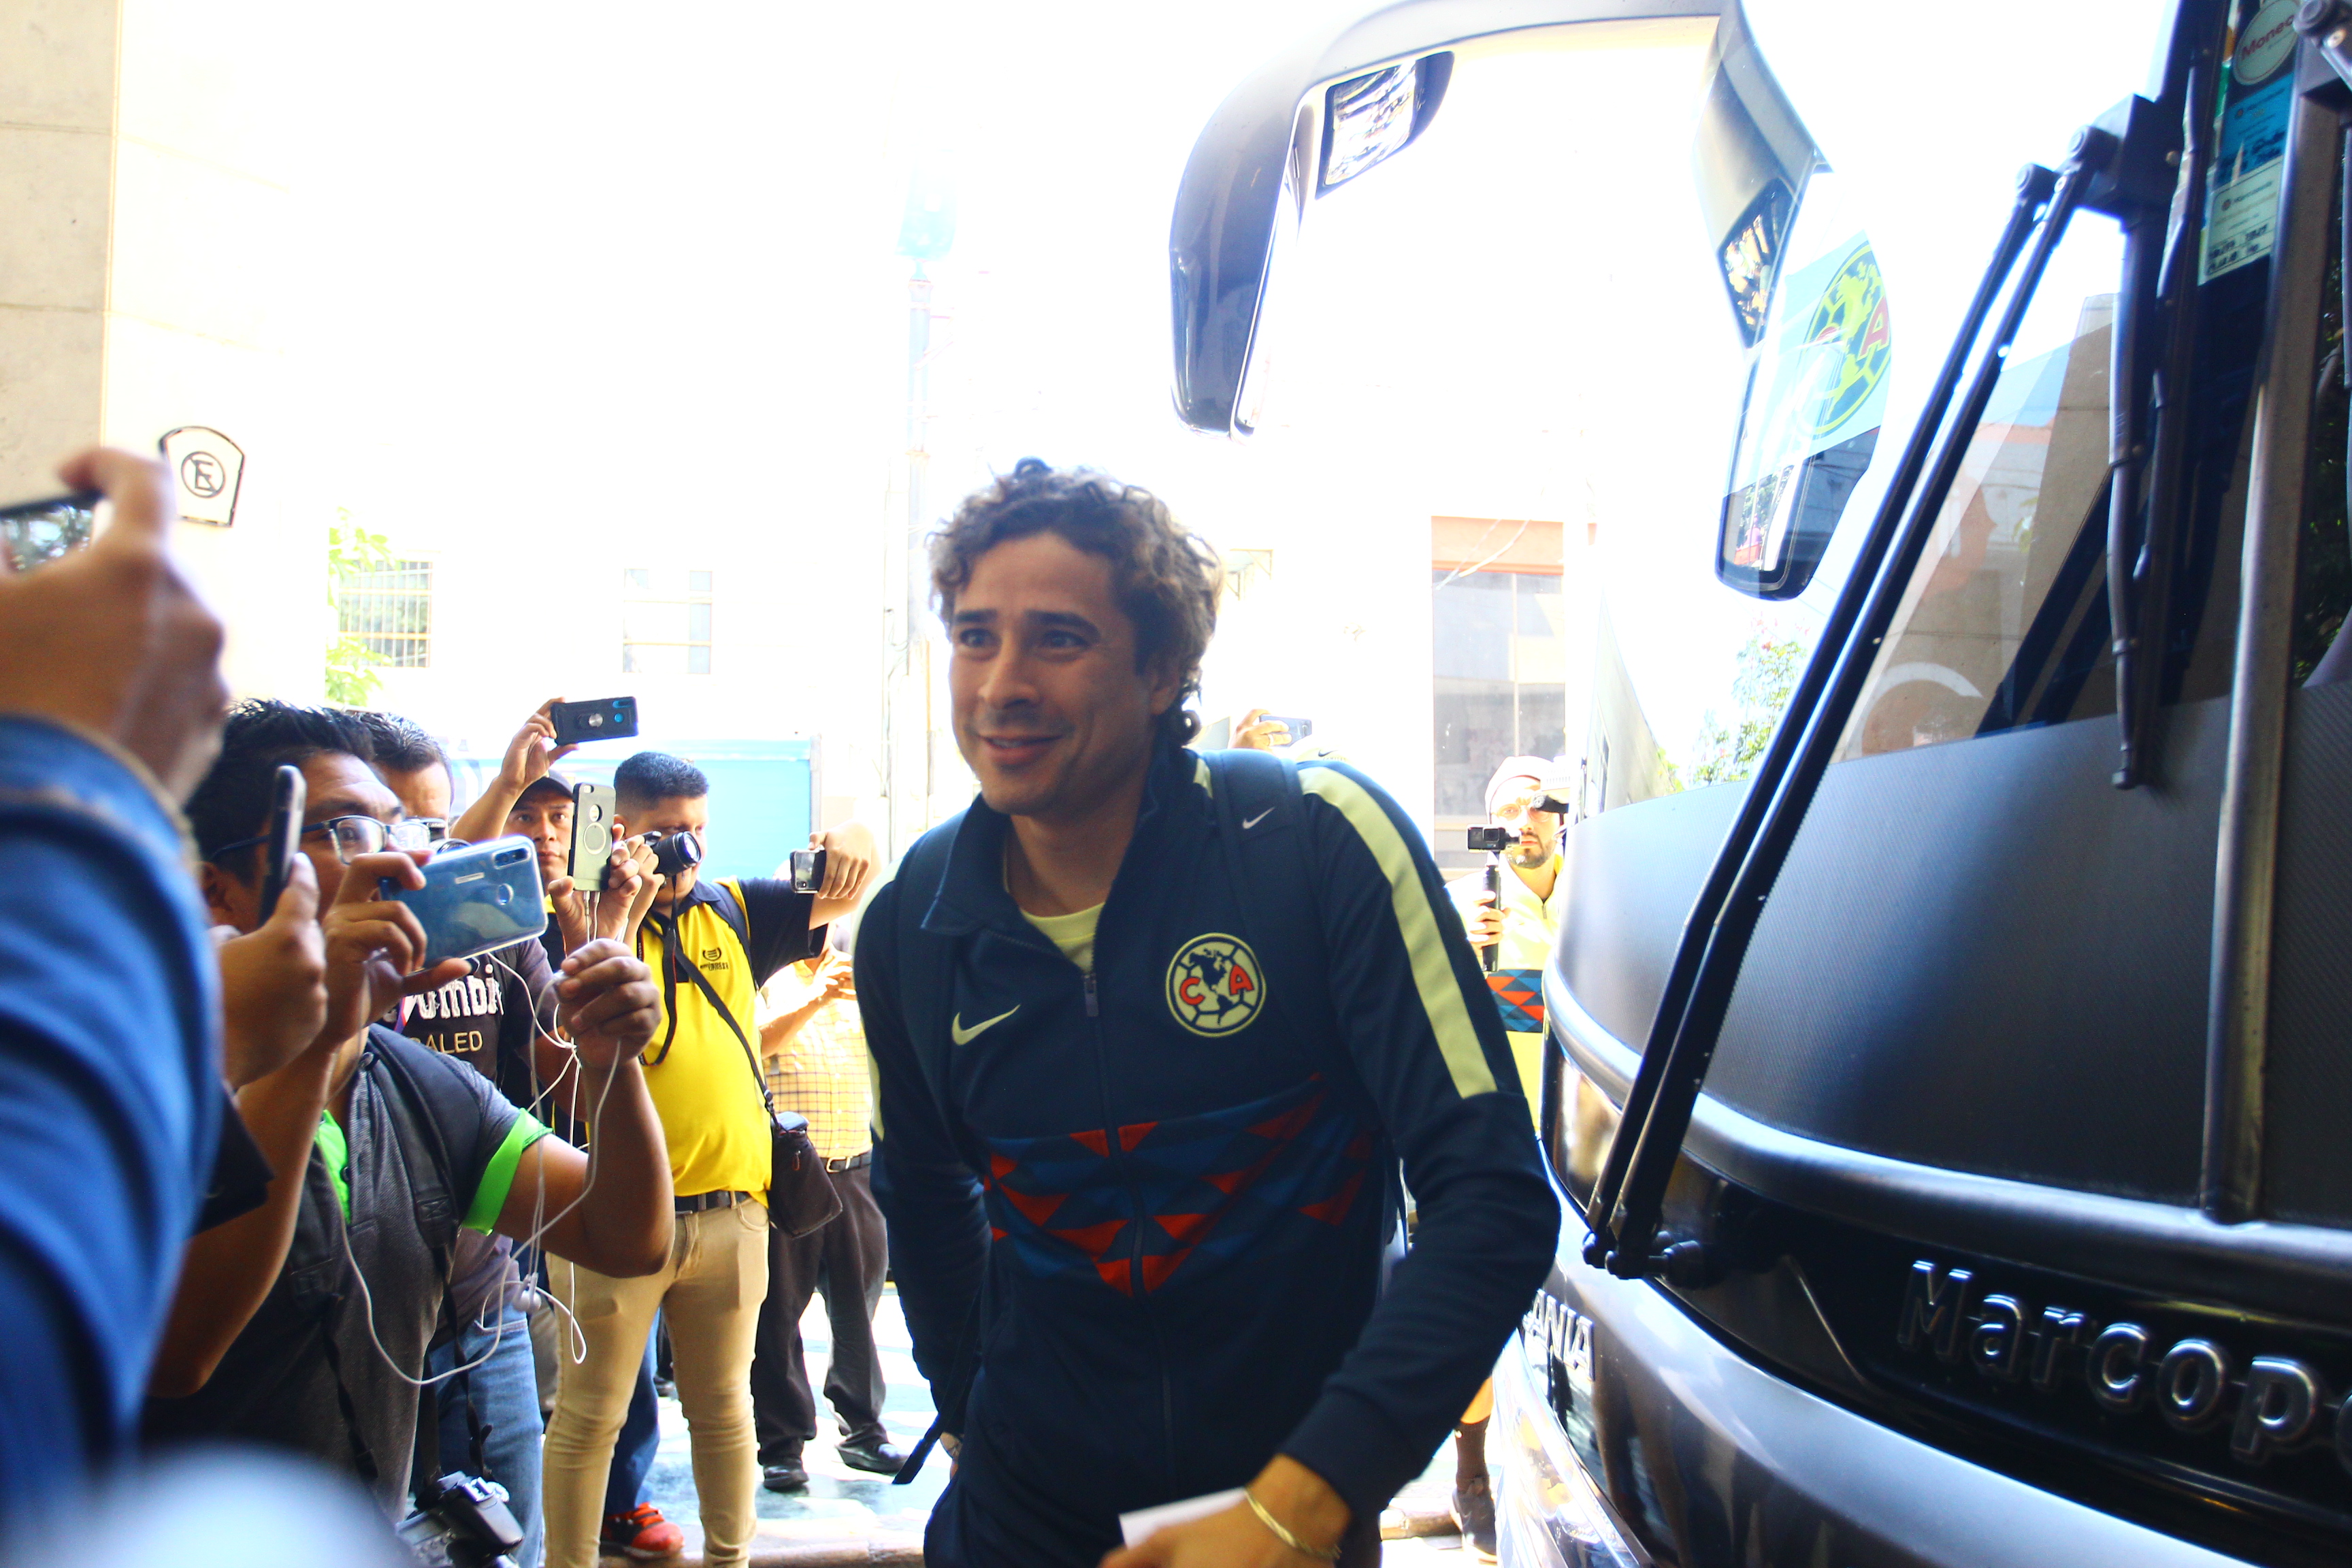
(664, 621)
(388, 606)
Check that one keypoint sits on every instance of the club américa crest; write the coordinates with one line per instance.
(1214, 985)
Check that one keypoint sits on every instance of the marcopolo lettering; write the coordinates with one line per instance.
(1562, 1335)
(2270, 1404)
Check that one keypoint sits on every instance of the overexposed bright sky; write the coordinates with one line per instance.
(588, 259)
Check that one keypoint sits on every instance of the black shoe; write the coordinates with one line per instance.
(665, 1389)
(788, 1476)
(873, 1454)
(1474, 1511)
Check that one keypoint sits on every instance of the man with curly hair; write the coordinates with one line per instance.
(1151, 1032)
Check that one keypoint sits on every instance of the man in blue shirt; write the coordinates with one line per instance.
(110, 702)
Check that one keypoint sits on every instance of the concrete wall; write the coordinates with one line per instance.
(144, 169)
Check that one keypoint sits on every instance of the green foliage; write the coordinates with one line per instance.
(1725, 753)
(351, 678)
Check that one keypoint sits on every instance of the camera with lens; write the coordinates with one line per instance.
(463, 1521)
(674, 852)
(1492, 839)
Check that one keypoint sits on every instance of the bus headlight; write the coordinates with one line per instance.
(1547, 1511)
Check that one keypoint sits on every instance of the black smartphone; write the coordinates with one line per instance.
(808, 871)
(289, 797)
(601, 718)
(36, 533)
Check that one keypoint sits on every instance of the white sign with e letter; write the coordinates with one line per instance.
(209, 468)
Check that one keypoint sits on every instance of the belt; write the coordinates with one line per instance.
(701, 1201)
(850, 1162)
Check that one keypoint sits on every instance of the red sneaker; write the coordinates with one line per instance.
(643, 1533)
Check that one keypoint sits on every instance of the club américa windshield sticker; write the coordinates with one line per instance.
(1850, 319)
(1214, 985)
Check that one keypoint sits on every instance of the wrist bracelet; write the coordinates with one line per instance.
(1322, 1555)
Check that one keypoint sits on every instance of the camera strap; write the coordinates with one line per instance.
(702, 982)
(674, 954)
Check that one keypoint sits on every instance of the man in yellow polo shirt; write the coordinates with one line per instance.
(711, 945)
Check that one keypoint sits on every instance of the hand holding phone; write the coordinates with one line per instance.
(274, 984)
(533, 749)
(113, 637)
(376, 946)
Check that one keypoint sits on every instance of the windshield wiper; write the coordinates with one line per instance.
(1623, 1213)
(2158, 297)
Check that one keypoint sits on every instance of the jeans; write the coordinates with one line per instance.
(503, 1395)
(639, 1443)
(710, 1291)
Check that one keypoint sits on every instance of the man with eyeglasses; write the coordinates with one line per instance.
(304, 1324)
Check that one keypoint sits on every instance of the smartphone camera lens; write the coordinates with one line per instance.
(595, 720)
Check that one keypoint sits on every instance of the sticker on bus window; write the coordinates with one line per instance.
(2241, 201)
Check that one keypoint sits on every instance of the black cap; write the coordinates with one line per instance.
(546, 784)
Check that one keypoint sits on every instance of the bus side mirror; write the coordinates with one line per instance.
(1287, 135)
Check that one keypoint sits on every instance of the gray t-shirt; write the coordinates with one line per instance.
(277, 1384)
(489, 1019)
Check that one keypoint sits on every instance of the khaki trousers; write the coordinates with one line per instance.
(710, 1293)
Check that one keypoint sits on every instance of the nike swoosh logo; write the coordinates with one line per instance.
(1249, 823)
(964, 1036)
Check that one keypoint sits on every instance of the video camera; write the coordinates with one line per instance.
(1489, 840)
(462, 1521)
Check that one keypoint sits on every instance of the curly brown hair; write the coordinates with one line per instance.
(1165, 577)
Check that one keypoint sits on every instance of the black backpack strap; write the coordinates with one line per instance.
(927, 967)
(1262, 822)
(926, 1001)
(729, 907)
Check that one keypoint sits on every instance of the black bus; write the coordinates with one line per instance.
(1948, 1084)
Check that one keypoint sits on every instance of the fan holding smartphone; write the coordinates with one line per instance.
(387, 1114)
(553, 732)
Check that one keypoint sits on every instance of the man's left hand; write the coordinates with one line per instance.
(1231, 1538)
(850, 857)
(1236, 1538)
(607, 1003)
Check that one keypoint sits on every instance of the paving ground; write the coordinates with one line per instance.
(847, 1516)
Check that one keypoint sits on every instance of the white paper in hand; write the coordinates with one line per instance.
(1135, 1528)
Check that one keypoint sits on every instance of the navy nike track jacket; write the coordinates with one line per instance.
(1173, 1188)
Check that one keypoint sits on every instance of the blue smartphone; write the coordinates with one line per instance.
(482, 896)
